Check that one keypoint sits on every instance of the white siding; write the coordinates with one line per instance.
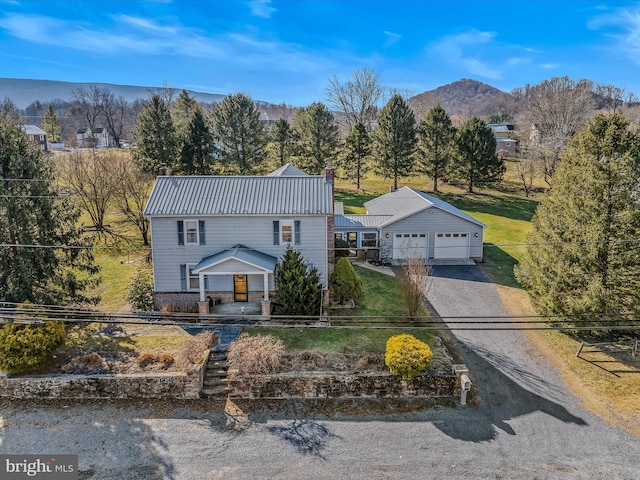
(255, 232)
(431, 221)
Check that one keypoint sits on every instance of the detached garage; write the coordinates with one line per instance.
(410, 223)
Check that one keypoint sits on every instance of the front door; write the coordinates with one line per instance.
(240, 288)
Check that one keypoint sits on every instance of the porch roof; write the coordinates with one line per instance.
(240, 253)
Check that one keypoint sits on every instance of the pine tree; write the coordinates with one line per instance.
(183, 109)
(155, 136)
(51, 125)
(195, 151)
(239, 139)
(317, 135)
(299, 286)
(345, 282)
(582, 258)
(477, 161)
(395, 140)
(357, 149)
(62, 269)
(435, 147)
(282, 139)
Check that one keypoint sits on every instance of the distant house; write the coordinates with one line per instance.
(504, 134)
(37, 136)
(221, 237)
(96, 138)
(408, 223)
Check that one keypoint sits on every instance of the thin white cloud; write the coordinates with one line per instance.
(131, 35)
(454, 49)
(624, 26)
(261, 8)
(392, 38)
(549, 66)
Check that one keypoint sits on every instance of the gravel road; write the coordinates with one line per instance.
(527, 426)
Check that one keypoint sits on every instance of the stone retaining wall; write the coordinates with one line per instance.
(143, 385)
(339, 385)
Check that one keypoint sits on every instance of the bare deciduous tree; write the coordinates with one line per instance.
(356, 99)
(526, 172)
(88, 102)
(115, 113)
(132, 196)
(94, 178)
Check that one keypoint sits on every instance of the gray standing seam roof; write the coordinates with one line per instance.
(407, 201)
(359, 221)
(241, 253)
(234, 195)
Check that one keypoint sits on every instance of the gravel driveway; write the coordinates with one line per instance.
(527, 426)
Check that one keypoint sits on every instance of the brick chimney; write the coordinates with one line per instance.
(331, 240)
(163, 170)
(328, 175)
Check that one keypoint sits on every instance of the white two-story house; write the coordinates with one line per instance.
(222, 237)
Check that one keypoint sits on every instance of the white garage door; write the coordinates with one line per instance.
(409, 245)
(451, 245)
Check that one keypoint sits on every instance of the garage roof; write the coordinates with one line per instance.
(406, 201)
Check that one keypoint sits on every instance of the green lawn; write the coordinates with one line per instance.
(381, 296)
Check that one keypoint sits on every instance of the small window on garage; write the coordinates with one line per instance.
(398, 235)
(463, 235)
(406, 235)
(414, 235)
(422, 235)
(439, 235)
(448, 235)
(455, 235)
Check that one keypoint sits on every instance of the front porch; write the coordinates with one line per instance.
(236, 308)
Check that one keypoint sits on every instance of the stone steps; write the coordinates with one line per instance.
(215, 374)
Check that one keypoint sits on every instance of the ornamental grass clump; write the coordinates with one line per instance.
(407, 356)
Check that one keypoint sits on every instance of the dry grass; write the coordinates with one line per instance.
(308, 360)
(607, 383)
(165, 360)
(191, 352)
(256, 355)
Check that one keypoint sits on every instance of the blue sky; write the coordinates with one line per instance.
(286, 50)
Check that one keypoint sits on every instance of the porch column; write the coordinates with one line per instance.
(266, 286)
(201, 286)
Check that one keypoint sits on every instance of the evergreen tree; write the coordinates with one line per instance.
(239, 139)
(435, 147)
(195, 151)
(395, 140)
(183, 109)
(51, 125)
(345, 282)
(582, 258)
(356, 152)
(477, 161)
(32, 215)
(317, 135)
(299, 286)
(155, 135)
(282, 138)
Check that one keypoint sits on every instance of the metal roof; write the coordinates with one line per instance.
(359, 221)
(288, 170)
(234, 195)
(241, 253)
(33, 130)
(406, 201)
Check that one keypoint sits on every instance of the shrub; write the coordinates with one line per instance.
(150, 358)
(407, 356)
(345, 282)
(24, 348)
(192, 351)
(140, 292)
(256, 355)
(308, 360)
(87, 364)
(299, 286)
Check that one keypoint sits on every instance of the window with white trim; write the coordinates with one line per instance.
(191, 232)
(286, 232)
(189, 281)
(369, 239)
